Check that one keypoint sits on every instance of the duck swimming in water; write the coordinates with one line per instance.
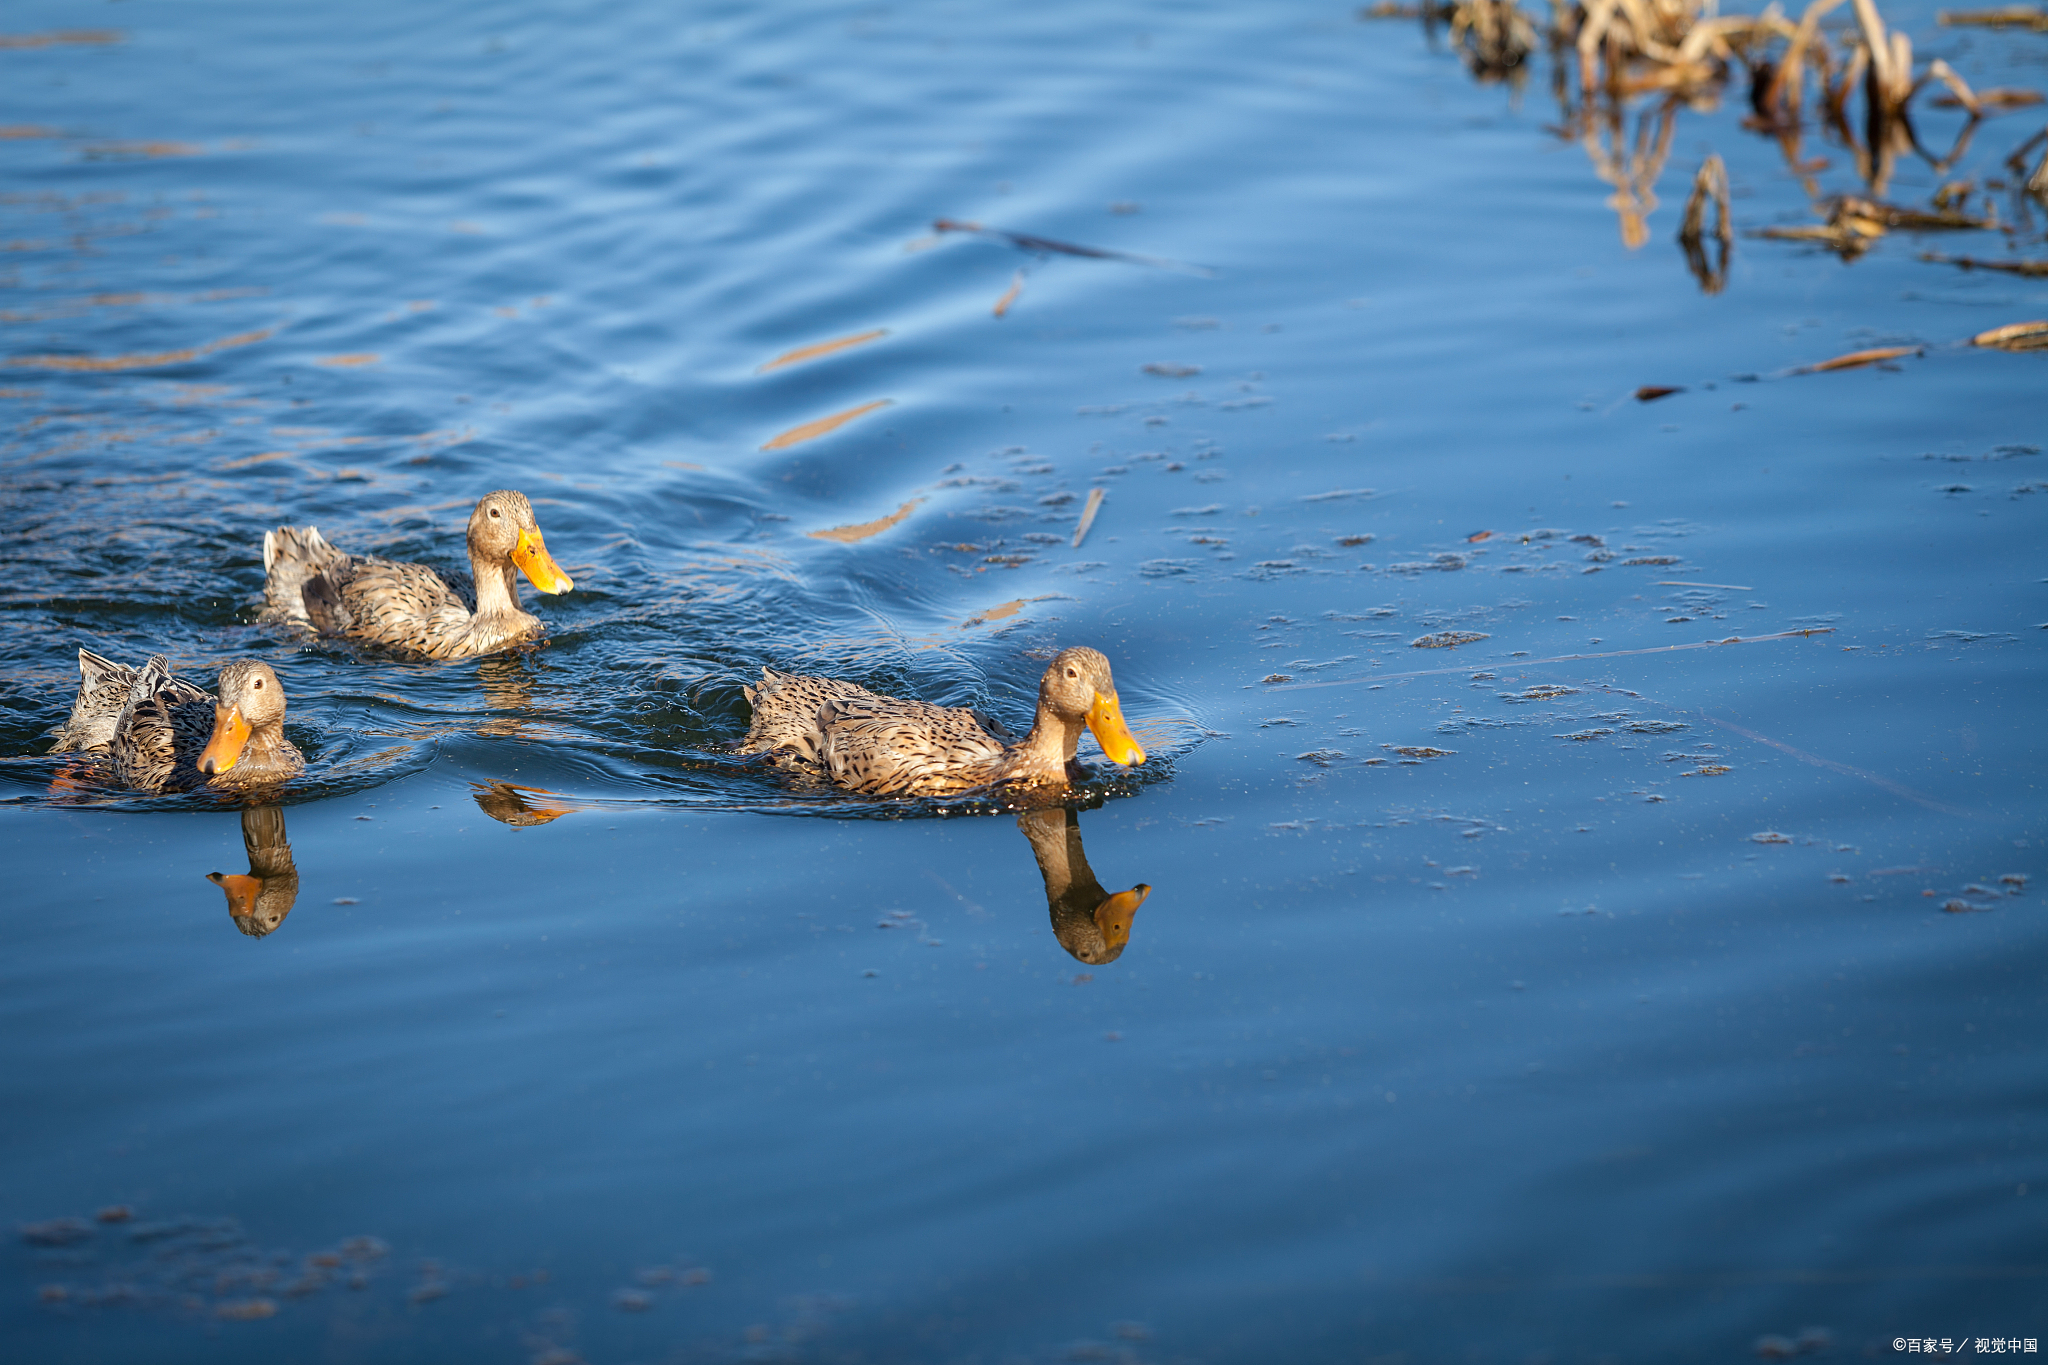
(169, 735)
(887, 746)
(409, 609)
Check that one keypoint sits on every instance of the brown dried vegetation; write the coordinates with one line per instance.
(1623, 70)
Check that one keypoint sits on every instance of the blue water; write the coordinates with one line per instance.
(1630, 1025)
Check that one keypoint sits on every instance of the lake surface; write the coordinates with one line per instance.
(1584, 991)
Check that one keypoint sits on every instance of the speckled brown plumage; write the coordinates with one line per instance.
(408, 609)
(103, 688)
(888, 746)
(165, 723)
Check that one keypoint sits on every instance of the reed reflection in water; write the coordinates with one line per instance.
(1091, 924)
(259, 900)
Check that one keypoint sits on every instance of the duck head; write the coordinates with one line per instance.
(1078, 687)
(251, 699)
(502, 531)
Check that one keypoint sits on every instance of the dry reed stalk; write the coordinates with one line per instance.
(1710, 184)
(1939, 70)
(1786, 101)
(1495, 36)
(1632, 170)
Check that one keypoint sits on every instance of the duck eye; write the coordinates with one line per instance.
(258, 684)
(1072, 673)
(494, 514)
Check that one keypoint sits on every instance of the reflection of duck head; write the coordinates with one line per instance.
(259, 901)
(510, 804)
(1090, 923)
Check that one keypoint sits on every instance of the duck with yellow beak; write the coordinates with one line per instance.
(173, 736)
(408, 609)
(887, 746)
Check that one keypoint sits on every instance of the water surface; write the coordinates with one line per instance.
(1582, 991)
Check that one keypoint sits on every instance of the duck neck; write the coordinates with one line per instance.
(497, 591)
(265, 748)
(1051, 744)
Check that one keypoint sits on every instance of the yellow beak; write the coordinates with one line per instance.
(230, 733)
(532, 557)
(1113, 916)
(1106, 719)
(241, 891)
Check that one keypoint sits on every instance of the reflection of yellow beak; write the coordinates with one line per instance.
(241, 891)
(1106, 719)
(532, 557)
(1113, 916)
(230, 733)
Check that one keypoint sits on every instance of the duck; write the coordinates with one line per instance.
(408, 609)
(1092, 924)
(860, 741)
(170, 735)
(259, 901)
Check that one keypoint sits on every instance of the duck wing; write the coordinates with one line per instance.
(787, 710)
(103, 688)
(406, 608)
(886, 746)
(161, 730)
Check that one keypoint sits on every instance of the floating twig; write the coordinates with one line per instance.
(2015, 336)
(1009, 295)
(1695, 583)
(2036, 268)
(1876, 355)
(1046, 246)
(1088, 511)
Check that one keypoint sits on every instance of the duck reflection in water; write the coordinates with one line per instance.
(1091, 924)
(508, 682)
(259, 901)
(510, 804)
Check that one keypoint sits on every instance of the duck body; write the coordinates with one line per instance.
(170, 735)
(408, 609)
(862, 741)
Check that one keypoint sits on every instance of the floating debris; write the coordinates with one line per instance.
(1650, 393)
(810, 431)
(822, 348)
(2010, 16)
(1046, 246)
(1088, 511)
(2015, 336)
(1009, 297)
(1447, 639)
(2029, 268)
(863, 530)
(1166, 370)
(1876, 355)
(1770, 836)
(1418, 751)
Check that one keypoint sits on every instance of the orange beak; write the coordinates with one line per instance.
(1106, 720)
(241, 891)
(532, 557)
(1113, 916)
(230, 733)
